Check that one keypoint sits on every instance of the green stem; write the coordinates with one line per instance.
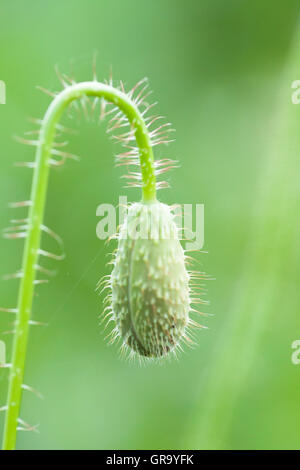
(38, 198)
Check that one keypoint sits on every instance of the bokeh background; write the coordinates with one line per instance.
(222, 74)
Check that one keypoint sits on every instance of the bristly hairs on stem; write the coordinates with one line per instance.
(124, 109)
(139, 132)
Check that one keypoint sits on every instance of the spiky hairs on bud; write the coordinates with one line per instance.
(150, 283)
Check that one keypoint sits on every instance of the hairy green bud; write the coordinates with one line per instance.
(150, 283)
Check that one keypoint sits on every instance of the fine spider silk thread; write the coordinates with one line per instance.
(151, 290)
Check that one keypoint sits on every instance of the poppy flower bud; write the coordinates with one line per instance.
(150, 283)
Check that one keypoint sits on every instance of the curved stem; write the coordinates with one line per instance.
(38, 198)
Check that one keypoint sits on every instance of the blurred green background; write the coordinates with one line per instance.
(216, 69)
